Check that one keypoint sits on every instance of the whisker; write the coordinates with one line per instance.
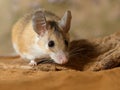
(76, 50)
(74, 54)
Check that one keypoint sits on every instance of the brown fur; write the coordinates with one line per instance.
(24, 27)
(36, 29)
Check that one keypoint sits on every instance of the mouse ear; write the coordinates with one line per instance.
(65, 21)
(39, 22)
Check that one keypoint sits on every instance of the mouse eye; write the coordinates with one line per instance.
(51, 43)
(66, 42)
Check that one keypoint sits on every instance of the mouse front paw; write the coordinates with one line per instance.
(33, 63)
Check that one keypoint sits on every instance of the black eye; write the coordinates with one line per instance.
(66, 42)
(51, 43)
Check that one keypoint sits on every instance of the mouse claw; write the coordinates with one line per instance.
(32, 63)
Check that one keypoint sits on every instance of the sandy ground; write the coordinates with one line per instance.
(55, 78)
(16, 74)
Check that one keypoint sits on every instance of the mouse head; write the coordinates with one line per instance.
(53, 35)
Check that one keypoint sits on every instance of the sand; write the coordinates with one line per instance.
(56, 79)
(61, 79)
(77, 74)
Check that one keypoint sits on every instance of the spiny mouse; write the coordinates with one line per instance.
(41, 34)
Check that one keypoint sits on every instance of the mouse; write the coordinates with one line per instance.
(41, 34)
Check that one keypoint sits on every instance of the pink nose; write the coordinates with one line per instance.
(62, 60)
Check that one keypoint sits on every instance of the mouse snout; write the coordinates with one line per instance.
(60, 57)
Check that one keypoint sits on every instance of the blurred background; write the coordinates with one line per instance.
(90, 18)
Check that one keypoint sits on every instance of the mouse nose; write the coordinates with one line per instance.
(62, 59)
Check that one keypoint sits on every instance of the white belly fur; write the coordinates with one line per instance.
(34, 52)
